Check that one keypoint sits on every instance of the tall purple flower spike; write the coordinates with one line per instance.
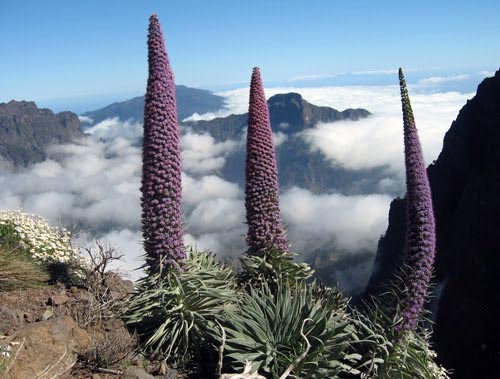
(265, 230)
(420, 235)
(161, 162)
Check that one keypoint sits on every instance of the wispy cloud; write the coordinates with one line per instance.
(323, 76)
(390, 71)
(443, 79)
(302, 78)
(486, 73)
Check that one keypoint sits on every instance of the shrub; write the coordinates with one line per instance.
(103, 300)
(265, 329)
(45, 243)
(173, 311)
(381, 356)
(109, 348)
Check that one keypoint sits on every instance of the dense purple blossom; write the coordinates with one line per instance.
(265, 230)
(161, 163)
(420, 234)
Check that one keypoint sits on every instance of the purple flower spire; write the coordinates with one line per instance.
(420, 234)
(161, 163)
(265, 230)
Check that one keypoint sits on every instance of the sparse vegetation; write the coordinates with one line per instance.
(110, 347)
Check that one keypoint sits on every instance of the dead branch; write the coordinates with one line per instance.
(109, 371)
(11, 363)
(246, 374)
(302, 356)
(221, 350)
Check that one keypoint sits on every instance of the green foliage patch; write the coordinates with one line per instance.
(173, 311)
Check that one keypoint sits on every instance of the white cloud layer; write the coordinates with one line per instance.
(378, 140)
(201, 154)
(352, 223)
(93, 185)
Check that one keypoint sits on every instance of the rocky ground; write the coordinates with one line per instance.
(61, 332)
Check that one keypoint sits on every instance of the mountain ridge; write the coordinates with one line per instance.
(26, 130)
(289, 108)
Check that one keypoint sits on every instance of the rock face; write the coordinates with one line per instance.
(290, 115)
(465, 183)
(47, 349)
(189, 100)
(26, 131)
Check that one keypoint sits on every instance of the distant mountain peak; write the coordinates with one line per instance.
(291, 108)
(189, 101)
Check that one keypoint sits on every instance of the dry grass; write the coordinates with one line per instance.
(18, 269)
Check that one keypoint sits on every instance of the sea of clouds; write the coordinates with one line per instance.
(92, 185)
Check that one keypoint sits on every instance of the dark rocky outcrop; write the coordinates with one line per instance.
(465, 182)
(26, 131)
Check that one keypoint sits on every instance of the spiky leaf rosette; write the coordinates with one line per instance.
(273, 268)
(380, 356)
(173, 312)
(265, 329)
(161, 170)
(265, 230)
(420, 235)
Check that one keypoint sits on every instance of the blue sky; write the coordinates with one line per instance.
(83, 54)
